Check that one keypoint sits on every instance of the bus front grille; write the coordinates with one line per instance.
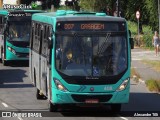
(83, 98)
(26, 55)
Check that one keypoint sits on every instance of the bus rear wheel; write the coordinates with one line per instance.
(38, 95)
(116, 108)
(52, 107)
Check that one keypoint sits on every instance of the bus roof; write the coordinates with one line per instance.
(5, 12)
(62, 15)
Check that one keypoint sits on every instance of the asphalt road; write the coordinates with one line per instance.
(18, 94)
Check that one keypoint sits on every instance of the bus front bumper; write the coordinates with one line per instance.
(17, 56)
(60, 97)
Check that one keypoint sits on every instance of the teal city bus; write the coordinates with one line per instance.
(80, 58)
(14, 34)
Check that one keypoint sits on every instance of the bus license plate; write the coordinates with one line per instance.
(92, 101)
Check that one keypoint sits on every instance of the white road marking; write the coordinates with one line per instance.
(123, 118)
(4, 104)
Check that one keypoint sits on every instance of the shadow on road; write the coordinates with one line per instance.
(96, 113)
(143, 102)
(13, 78)
(18, 63)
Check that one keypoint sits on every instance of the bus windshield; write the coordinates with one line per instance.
(90, 55)
(19, 31)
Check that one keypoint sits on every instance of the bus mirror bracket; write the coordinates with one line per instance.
(131, 43)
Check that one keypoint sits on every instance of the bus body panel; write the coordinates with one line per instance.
(47, 75)
(22, 52)
(1, 44)
(36, 69)
(59, 97)
(43, 74)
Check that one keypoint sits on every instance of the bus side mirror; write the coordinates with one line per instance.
(131, 43)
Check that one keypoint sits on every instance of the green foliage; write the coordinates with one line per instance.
(148, 9)
(55, 3)
(132, 26)
(153, 85)
(152, 13)
(93, 5)
(35, 6)
(147, 40)
(27, 2)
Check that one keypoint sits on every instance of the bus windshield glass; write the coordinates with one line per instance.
(91, 55)
(19, 31)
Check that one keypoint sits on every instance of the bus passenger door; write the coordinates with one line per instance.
(1, 38)
(36, 58)
(44, 61)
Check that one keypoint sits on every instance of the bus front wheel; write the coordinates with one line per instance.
(53, 107)
(116, 108)
(3, 61)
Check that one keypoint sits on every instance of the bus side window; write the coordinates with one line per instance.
(36, 41)
(35, 36)
(32, 35)
(49, 44)
(1, 25)
(40, 35)
(44, 41)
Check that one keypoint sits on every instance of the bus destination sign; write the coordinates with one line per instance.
(91, 26)
(15, 14)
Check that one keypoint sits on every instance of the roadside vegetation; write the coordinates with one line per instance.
(135, 75)
(145, 38)
(154, 64)
(153, 85)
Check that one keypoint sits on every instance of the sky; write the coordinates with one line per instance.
(13, 2)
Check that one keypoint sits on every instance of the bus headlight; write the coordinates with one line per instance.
(59, 85)
(12, 50)
(9, 48)
(123, 85)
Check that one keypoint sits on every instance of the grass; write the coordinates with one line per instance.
(154, 64)
(153, 85)
(135, 73)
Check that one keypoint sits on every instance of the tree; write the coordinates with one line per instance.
(27, 2)
(147, 8)
(152, 13)
(55, 3)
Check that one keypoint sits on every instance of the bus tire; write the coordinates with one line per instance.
(3, 61)
(52, 107)
(116, 108)
(38, 96)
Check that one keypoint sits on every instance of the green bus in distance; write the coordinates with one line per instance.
(15, 28)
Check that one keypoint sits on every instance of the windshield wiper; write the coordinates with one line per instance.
(104, 45)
